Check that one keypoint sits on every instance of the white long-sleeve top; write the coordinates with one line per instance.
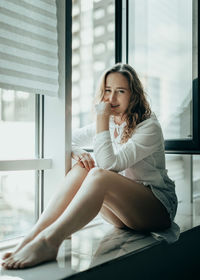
(141, 158)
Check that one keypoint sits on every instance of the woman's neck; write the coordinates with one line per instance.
(119, 120)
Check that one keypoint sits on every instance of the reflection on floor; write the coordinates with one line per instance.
(97, 244)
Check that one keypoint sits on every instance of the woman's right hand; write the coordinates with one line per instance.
(84, 160)
(103, 108)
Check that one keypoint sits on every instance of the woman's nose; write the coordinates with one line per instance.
(112, 97)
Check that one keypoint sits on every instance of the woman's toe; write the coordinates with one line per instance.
(5, 264)
(9, 265)
(23, 264)
(16, 264)
(12, 264)
(6, 255)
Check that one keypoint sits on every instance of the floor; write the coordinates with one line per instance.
(96, 244)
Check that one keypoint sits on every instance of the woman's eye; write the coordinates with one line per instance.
(121, 91)
(107, 90)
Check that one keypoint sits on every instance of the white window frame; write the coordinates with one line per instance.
(57, 111)
(25, 164)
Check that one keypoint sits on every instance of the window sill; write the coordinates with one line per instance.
(10, 243)
(92, 246)
(101, 251)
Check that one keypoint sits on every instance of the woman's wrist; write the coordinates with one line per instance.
(102, 122)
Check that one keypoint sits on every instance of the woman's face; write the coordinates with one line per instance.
(117, 93)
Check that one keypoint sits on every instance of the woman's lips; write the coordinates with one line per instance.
(114, 106)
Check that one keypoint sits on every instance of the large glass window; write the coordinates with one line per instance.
(28, 68)
(196, 176)
(184, 170)
(17, 203)
(17, 125)
(93, 37)
(17, 141)
(163, 50)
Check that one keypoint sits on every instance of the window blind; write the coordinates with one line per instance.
(28, 46)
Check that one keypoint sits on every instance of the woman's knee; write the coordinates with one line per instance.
(96, 172)
(97, 176)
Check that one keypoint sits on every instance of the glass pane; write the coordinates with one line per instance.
(17, 203)
(17, 141)
(196, 189)
(93, 52)
(180, 170)
(162, 51)
(184, 170)
(196, 177)
(17, 125)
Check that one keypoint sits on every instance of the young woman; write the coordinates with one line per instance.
(126, 181)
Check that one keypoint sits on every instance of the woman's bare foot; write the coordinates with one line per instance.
(37, 251)
(25, 241)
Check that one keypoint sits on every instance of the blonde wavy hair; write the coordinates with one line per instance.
(139, 108)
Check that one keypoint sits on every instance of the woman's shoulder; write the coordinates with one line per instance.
(151, 123)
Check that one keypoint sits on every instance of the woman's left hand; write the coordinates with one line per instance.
(84, 159)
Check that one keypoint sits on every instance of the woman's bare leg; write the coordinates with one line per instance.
(108, 215)
(133, 203)
(62, 198)
(58, 203)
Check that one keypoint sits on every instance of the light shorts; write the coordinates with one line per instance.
(167, 197)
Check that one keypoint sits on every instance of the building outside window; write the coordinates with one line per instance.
(93, 51)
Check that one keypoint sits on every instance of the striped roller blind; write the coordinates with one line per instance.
(28, 46)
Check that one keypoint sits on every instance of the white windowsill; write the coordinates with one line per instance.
(95, 244)
(11, 243)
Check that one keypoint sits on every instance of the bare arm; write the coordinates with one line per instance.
(80, 138)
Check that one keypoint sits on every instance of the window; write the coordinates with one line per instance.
(29, 69)
(159, 39)
(196, 177)
(163, 47)
(17, 199)
(94, 53)
(17, 124)
(17, 141)
(184, 170)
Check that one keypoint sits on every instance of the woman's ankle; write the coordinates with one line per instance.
(37, 229)
(53, 238)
